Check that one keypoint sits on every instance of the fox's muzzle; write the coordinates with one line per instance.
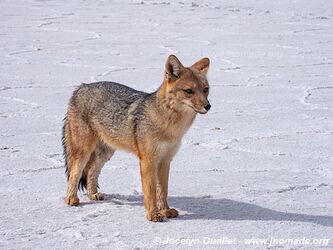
(205, 109)
(208, 106)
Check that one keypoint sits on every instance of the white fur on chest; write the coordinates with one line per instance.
(167, 149)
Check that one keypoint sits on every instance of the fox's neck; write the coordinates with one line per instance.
(164, 99)
(175, 120)
(167, 101)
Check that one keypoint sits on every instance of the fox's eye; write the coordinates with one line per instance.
(189, 91)
(206, 90)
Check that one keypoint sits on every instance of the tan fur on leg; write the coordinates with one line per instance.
(96, 162)
(80, 143)
(148, 177)
(73, 182)
(162, 191)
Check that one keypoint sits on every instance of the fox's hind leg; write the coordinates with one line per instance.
(79, 142)
(77, 164)
(98, 158)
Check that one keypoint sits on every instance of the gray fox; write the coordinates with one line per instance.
(105, 116)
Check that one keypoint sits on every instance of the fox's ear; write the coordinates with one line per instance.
(202, 65)
(173, 68)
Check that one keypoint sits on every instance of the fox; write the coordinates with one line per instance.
(103, 117)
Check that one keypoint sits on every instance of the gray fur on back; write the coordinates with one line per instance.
(114, 106)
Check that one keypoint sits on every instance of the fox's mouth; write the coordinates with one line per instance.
(197, 111)
(201, 112)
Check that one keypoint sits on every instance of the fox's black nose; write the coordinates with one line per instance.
(207, 107)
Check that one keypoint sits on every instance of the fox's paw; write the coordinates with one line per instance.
(170, 213)
(154, 216)
(96, 197)
(72, 200)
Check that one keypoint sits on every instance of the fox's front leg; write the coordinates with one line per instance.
(162, 191)
(148, 178)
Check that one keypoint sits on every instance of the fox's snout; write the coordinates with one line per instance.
(202, 105)
(205, 108)
(208, 106)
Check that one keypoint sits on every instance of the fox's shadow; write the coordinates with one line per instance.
(223, 209)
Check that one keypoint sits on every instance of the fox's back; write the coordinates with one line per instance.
(107, 104)
(108, 92)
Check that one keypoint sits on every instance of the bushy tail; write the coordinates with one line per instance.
(83, 182)
(66, 143)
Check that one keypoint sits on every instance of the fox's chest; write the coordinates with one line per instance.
(167, 149)
(176, 128)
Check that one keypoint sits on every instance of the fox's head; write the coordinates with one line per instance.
(187, 88)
